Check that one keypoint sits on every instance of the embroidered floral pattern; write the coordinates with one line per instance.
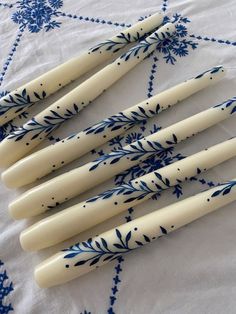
(6, 288)
(37, 14)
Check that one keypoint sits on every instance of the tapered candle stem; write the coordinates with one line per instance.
(66, 186)
(95, 210)
(14, 103)
(23, 140)
(41, 163)
(86, 256)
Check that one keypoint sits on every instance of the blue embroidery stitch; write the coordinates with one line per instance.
(92, 19)
(151, 77)
(177, 45)
(212, 39)
(164, 5)
(11, 54)
(6, 5)
(5, 289)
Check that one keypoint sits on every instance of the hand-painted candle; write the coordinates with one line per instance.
(20, 99)
(39, 164)
(66, 186)
(24, 139)
(73, 220)
(86, 256)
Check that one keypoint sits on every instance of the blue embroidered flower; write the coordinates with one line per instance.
(37, 14)
(177, 45)
(18, 17)
(5, 290)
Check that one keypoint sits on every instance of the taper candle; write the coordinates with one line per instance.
(66, 186)
(41, 163)
(14, 103)
(86, 256)
(75, 219)
(20, 142)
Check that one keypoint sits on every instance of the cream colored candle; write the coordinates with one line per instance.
(49, 194)
(86, 256)
(46, 84)
(39, 164)
(20, 142)
(73, 220)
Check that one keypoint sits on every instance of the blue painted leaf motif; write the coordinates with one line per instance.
(163, 230)
(101, 250)
(131, 199)
(104, 242)
(211, 71)
(118, 246)
(98, 244)
(199, 170)
(146, 238)
(79, 263)
(71, 255)
(134, 151)
(226, 104)
(18, 101)
(119, 236)
(128, 237)
(107, 258)
(224, 188)
(94, 261)
(121, 120)
(51, 123)
(85, 244)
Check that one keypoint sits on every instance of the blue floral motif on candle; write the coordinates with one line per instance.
(50, 123)
(135, 152)
(18, 101)
(102, 251)
(230, 103)
(121, 119)
(224, 189)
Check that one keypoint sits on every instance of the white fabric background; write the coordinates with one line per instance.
(191, 270)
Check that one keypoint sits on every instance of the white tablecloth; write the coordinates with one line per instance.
(191, 270)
